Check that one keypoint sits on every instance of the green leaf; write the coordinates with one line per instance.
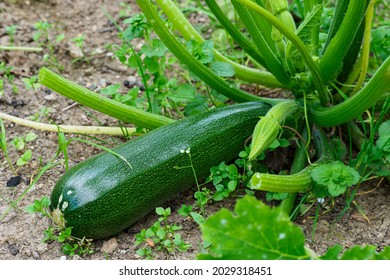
(136, 28)
(198, 105)
(367, 252)
(30, 209)
(184, 210)
(381, 41)
(160, 233)
(183, 92)
(253, 231)
(335, 176)
(339, 148)
(383, 141)
(283, 143)
(18, 142)
(26, 157)
(31, 136)
(232, 185)
(110, 90)
(157, 48)
(217, 180)
(201, 51)
(198, 218)
(232, 169)
(332, 253)
(222, 69)
(160, 211)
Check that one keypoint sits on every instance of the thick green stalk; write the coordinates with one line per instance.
(312, 66)
(236, 34)
(204, 73)
(298, 182)
(351, 57)
(331, 61)
(366, 46)
(316, 32)
(258, 33)
(280, 10)
(299, 162)
(355, 105)
(338, 16)
(100, 103)
(188, 32)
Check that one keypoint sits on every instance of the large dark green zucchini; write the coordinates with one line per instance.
(103, 195)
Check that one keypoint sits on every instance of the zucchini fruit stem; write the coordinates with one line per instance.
(298, 182)
(299, 162)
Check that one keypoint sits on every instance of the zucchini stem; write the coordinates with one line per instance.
(100, 103)
(182, 54)
(299, 162)
(366, 46)
(298, 182)
(312, 66)
(355, 105)
(189, 33)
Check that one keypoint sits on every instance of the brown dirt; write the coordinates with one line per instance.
(21, 233)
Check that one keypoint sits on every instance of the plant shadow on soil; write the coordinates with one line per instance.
(21, 233)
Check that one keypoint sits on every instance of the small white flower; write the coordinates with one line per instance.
(321, 200)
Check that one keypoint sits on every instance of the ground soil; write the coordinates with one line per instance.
(21, 233)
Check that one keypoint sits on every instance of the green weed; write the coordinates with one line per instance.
(160, 237)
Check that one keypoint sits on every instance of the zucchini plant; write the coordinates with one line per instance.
(325, 72)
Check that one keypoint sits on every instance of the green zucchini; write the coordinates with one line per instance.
(104, 195)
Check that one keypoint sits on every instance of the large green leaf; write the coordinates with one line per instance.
(253, 231)
(367, 252)
(256, 231)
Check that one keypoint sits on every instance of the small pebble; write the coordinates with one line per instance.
(51, 97)
(41, 248)
(14, 181)
(17, 103)
(35, 254)
(76, 258)
(13, 249)
(75, 51)
(110, 246)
